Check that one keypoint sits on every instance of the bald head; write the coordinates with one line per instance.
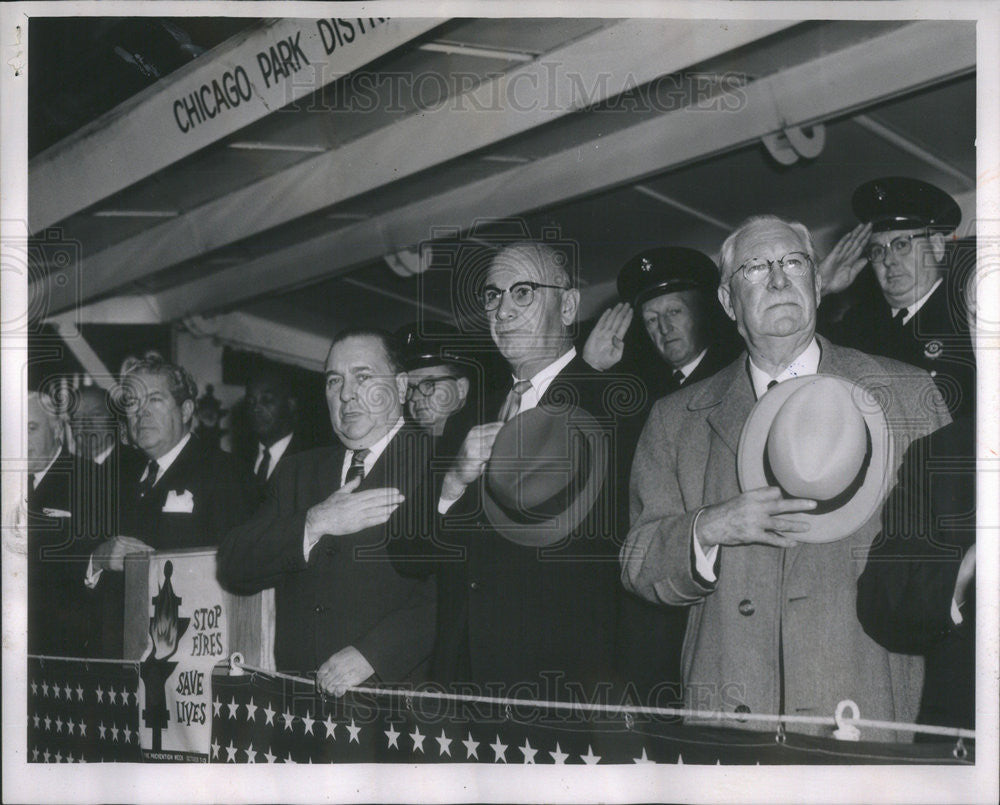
(533, 329)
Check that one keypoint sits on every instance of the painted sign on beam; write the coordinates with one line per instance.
(242, 80)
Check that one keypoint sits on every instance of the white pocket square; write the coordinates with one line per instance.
(183, 502)
(56, 513)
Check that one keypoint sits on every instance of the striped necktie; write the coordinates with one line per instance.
(357, 468)
(513, 401)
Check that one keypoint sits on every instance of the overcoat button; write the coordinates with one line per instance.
(318, 608)
(746, 607)
(473, 585)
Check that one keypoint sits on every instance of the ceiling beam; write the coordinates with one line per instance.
(881, 68)
(240, 81)
(906, 144)
(585, 72)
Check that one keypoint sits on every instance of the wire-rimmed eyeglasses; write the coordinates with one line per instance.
(794, 264)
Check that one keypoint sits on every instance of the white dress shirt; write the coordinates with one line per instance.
(276, 450)
(374, 452)
(911, 311)
(162, 464)
(806, 363)
(690, 366)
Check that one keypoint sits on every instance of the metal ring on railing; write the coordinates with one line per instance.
(629, 721)
(236, 664)
(960, 752)
(780, 737)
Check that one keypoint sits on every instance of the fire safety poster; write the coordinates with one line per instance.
(187, 638)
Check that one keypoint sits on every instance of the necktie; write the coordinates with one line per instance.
(901, 316)
(678, 377)
(146, 484)
(31, 482)
(771, 384)
(513, 401)
(264, 466)
(357, 468)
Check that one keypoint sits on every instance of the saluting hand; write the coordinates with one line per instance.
(347, 511)
(752, 517)
(843, 264)
(606, 342)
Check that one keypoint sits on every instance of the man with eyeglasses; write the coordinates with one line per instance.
(919, 317)
(343, 611)
(513, 618)
(772, 627)
(439, 383)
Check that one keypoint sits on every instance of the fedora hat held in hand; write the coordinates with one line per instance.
(823, 438)
(545, 472)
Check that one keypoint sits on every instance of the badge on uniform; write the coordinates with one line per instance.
(933, 349)
(182, 503)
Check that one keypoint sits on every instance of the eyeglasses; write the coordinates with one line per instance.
(521, 293)
(794, 264)
(900, 246)
(427, 385)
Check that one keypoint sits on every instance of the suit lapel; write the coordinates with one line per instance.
(179, 468)
(730, 394)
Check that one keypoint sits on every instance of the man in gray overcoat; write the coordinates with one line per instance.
(772, 626)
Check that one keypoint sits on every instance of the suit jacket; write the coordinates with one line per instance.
(519, 617)
(348, 593)
(117, 476)
(63, 528)
(208, 490)
(936, 339)
(296, 445)
(905, 592)
(770, 608)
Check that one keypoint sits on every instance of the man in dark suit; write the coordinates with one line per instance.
(525, 620)
(320, 537)
(97, 436)
(62, 612)
(189, 493)
(917, 592)
(673, 289)
(272, 406)
(919, 316)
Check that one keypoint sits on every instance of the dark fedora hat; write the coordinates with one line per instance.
(899, 202)
(667, 269)
(544, 475)
(823, 438)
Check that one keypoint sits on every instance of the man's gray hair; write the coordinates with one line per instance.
(181, 384)
(727, 254)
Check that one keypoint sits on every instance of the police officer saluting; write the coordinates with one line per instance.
(920, 317)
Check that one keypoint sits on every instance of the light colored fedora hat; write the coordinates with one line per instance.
(823, 438)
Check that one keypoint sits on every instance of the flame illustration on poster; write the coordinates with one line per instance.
(165, 629)
(187, 637)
